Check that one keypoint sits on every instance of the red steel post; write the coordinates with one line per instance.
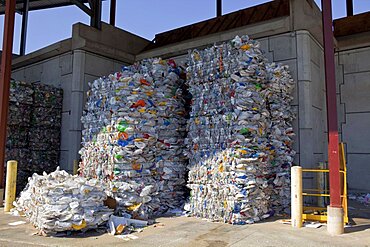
(6, 70)
(331, 105)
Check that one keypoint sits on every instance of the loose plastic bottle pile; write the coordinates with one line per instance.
(134, 137)
(235, 150)
(59, 202)
(33, 133)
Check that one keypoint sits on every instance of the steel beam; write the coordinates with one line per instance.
(112, 19)
(219, 8)
(82, 6)
(26, 6)
(6, 70)
(331, 105)
(349, 5)
(96, 6)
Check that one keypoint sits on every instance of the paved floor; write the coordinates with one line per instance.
(185, 231)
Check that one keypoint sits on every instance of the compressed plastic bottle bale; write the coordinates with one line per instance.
(19, 114)
(20, 93)
(46, 117)
(33, 133)
(281, 133)
(47, 96)
(45, 160)
(128, 122)
(17, 137)
(43, 138)
(58, 202)
(230, 148)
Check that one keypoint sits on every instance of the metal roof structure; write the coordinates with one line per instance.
(258, 13)
(92, 8)
(39, 4)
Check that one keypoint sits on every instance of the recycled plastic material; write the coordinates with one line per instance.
(33, 133)
(118, 222)
(240, 133)
(133, 137)
(59, 202)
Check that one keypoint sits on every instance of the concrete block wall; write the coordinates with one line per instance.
(70, 71)
(353, 90)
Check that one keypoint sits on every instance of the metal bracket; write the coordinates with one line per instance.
(82, 6)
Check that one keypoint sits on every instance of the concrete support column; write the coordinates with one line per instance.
(335, 221)
(77, 95)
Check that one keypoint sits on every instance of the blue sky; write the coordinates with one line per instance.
(142, 17)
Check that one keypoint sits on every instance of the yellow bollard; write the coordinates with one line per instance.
(11, 184)
(75, 167)
(296, 197)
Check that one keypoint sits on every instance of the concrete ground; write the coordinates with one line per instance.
(186, 231)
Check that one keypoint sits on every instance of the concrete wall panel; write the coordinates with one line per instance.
(66, 63)
(304, 56)
(33, 73)
(356, 92)
(98, 65)
(355, 60)
(283, 47)
(64, 139)
(356, 132)
(318, 94)
(18, 74)
(318, 131)
(305, 104)
(358, 172)
(51, 72)
(66, 85)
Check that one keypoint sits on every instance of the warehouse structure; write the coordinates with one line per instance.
(290, 32)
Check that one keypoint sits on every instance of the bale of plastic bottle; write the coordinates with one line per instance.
(34, 126)
(232, 146)
(133, 137)
(59, 202)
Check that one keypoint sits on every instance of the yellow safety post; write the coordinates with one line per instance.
(296, 197)
(75, 167)
(11, 184)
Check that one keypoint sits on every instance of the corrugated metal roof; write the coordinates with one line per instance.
(38, 4)
(352, 24)
(258, 13)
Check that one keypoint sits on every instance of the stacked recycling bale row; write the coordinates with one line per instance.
(171, 132)
(132, 134)
(231, 156)
(33, 133)
(281, 87)
(58, 202)
(46, 121)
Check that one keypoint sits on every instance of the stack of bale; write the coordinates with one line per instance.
(126, 142)
(44, 134)
(230, 147)
(33, 133)
(281, 87)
